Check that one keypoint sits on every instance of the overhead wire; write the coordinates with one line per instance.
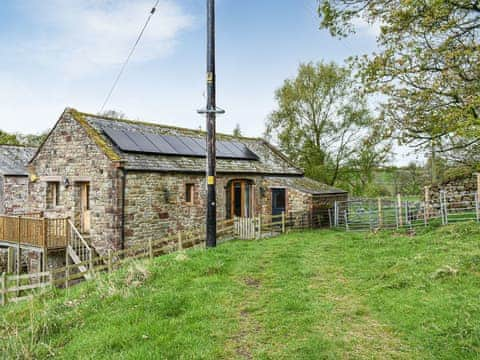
(130, 54)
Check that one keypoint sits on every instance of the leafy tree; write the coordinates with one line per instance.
(8, 139)
(427, 67)
(322, 122)
(237, 132)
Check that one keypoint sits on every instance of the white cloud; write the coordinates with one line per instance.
(91, 35)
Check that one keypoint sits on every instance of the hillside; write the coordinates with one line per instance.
(304, 295)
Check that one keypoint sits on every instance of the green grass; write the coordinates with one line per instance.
(311, 295)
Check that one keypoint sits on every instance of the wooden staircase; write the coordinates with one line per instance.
(80, 251)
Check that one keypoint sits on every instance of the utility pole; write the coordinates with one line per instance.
(211, 112)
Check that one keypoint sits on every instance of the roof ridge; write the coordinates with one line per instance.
(141, 122)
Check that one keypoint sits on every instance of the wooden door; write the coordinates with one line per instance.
(85, 207)
(241, 195)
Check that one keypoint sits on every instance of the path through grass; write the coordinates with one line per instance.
(309, 295)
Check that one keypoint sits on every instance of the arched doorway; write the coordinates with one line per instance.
(239, 198)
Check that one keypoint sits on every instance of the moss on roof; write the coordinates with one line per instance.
(95, 136)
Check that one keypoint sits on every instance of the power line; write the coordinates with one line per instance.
(122, 69)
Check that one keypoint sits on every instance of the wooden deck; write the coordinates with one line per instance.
(31, 232)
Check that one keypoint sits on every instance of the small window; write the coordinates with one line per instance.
(189, 192)
(53, 194)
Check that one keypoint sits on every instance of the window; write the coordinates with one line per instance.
(53, 194)
(189, 193)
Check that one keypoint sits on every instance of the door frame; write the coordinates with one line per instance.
(84, 206)
(243, 197)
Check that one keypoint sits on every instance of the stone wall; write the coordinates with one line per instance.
(155, 203)
(15, 195)
(69, 154)
(457, 190)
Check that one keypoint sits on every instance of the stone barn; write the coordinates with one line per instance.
(14, 178)
(123, 181)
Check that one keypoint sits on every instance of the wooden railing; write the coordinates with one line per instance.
(36, 232)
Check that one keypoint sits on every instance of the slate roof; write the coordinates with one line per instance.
(13, 159)
(307, 185)
(271, 161)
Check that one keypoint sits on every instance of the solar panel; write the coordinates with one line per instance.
(142, 142)
(195, 146)
(179, 146)
(161, 144)
(121, 139)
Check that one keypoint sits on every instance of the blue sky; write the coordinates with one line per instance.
(59, 53)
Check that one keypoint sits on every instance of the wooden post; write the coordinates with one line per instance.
(109, 261)
(283, 222)
(44, 233)
(427, 205)
(478, 186)
(380, 213)
(150, 249)
(259, 235)
(399, 205)
(180, 242)
(50, 279)
(10, 260)
(67, 268)
(3, 289)
(90, 263)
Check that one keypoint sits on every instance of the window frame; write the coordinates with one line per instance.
(52, 197)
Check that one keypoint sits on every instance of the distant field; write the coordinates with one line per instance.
(312, 295)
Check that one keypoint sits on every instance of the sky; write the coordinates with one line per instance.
(64, 53)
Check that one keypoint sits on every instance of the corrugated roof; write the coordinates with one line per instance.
(308, 185)
(13, 159)
(271, 161)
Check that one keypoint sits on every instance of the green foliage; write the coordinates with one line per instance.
(427, 68)
(310, 295)
(8, 139)
(323, 124)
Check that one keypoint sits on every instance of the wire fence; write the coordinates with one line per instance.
(376, 214)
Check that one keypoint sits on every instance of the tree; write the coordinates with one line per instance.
(321, 121)
(427, 67)
(237, 132)
(8, 139)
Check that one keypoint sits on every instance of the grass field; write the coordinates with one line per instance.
(311, 295)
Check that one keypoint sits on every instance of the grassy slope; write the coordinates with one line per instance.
(305, 295)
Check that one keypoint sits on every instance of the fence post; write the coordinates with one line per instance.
(109, 261)
(445, 207)
(477, 208)
(283, 222)
(259, 235)
(67, 269)
(380, 213)
(50, 279)
(478, 185)
(346, 221)
(180, 243)
(90, 263)
(399, 204)
(10, 260)
(335, 214)
(150, 247)
(3, 288)
(427, 204)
